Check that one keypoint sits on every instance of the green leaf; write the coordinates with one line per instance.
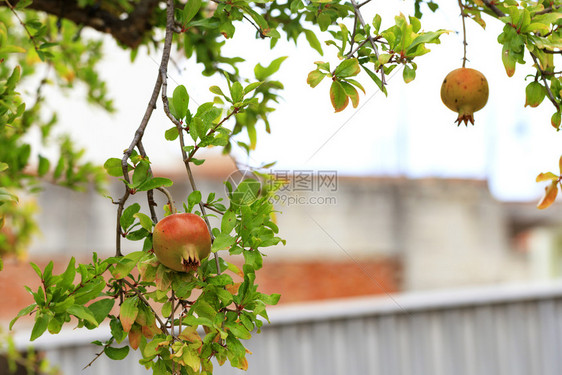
(338, 96)
(204, 310)
(117, 330)
(190, 10)
(5, 196)
(324, 21)
(193, 199)
(127, 217)
(408, 74)
(101, 309)
(82, 312)
(216, 90)
(376, 79)
(41, 323)
(43, 167)
(222, 242)
(315, 77)
(90, 291)
(228, 222)
(171, 134)
(180, 96)
(116, 353)
(67, 278)
(251, 87)
(140, 175)
(37, 270)
(145, 221)
(154, 183)
(240, 331)
(12, 49)
(351, 93)
(126, 264)
(428, 37)
(313, 41)
(128, 313)
(348, 68)
(271, 299)
(197, 161)
(25, 311)
(236, 92)
(534, 94)
(262, 73)
(113, 167)
(253, 258)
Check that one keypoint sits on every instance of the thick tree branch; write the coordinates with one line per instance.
(129, 31)
(493, 8)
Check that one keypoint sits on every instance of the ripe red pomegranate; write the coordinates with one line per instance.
(465, 91)
(181, 241)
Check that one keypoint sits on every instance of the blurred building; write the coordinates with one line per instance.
(346, 236)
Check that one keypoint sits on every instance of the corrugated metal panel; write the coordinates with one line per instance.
(500, 331)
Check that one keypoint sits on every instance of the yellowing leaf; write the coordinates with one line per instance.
(190, 334)
(548, 176)
(135, 335)
(128, 313)
(549, 196)
(338, 96)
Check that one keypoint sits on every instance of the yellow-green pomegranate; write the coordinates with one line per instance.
(181, 241)
(465, 91)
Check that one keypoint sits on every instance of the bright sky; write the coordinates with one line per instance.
(409, 133)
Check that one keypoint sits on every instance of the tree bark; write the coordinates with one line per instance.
(129, 31)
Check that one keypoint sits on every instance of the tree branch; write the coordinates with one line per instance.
(493, 8)
(144, 122)
(545, 82)
(371, 40)
(129, 31)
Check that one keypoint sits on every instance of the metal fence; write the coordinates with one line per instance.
(515, 330)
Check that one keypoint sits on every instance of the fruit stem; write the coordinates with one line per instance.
(170, 199)
(463, 15)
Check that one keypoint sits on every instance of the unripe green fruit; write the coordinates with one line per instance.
(181, 241)
(465, 91)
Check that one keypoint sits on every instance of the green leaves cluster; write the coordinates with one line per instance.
(59, 297)
(397, 45)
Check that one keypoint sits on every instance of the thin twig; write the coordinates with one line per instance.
(149, 193)
(95, 358)
(351, 53)
(145, 301)
(371, 40)
(463, 16)
(119, 232)
(164, 80)
(545, 82)
(170, 199)
(144, 122)
(493, 8)
(364, 3)
(213, 209)
(262, 35)
(31, 37)
(548, 10)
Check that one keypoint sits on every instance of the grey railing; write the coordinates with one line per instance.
(513, 330)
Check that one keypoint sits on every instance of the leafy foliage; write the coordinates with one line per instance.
(182, 322)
